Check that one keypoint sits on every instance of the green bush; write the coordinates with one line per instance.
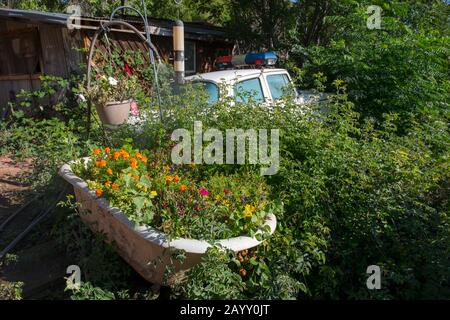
(356, 194)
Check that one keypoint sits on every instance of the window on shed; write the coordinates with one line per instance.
(190, 57)
(20, 53)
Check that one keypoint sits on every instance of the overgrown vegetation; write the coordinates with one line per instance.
(364, 183)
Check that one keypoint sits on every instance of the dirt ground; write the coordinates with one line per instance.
(39, 264)
(11, 189)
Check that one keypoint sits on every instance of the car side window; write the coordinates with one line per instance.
(249, 89)
(277, 85)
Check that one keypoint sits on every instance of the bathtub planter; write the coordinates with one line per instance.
(146, 249)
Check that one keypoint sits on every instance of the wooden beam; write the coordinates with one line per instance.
(21, 77)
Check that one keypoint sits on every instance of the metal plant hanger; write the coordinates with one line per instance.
(105, 28)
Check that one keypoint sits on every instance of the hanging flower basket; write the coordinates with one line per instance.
(115, 112)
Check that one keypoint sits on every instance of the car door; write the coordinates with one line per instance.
(250, 88)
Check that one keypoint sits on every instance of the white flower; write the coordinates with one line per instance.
(112, 81)
(81, 98)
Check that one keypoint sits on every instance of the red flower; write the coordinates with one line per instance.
(128, 69)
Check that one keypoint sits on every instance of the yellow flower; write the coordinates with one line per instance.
(249, 210)
(153, 193)
(166, 168)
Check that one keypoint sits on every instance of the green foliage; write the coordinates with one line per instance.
(355, 194)
(363, 177)
(11, 291)
(402, 67)
(214, 278)
(177, 199)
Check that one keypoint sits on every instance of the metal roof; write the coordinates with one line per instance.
(230, 76)
(162, 27)
(38, 16)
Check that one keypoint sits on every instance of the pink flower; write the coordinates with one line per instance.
(134, 109)
(226, 191)
(203, 192)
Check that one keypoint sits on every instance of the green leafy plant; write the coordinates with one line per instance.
(176, 199)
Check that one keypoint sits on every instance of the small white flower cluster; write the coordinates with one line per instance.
(81, 98)
(112, 81)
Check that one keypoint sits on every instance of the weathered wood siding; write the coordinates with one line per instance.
(58, 55)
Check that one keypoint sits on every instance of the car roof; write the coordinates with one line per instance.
(230, 75)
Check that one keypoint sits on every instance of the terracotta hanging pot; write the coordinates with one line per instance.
(114, 112)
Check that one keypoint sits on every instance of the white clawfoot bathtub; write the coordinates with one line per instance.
(148, 250)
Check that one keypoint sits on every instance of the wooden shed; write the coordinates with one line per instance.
(34, 43)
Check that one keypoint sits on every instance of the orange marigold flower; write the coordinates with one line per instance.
(116, 155)
(183, 188)
(144, 159)
(138, 155)
(98, 192)
(109, 171)
(108, 183)
(101, 163)
(115, 186)
(96, 151)
(124, 154)
(107, 149)
(136, 178)
(133, 163)
(176, 178)
(169, 179)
